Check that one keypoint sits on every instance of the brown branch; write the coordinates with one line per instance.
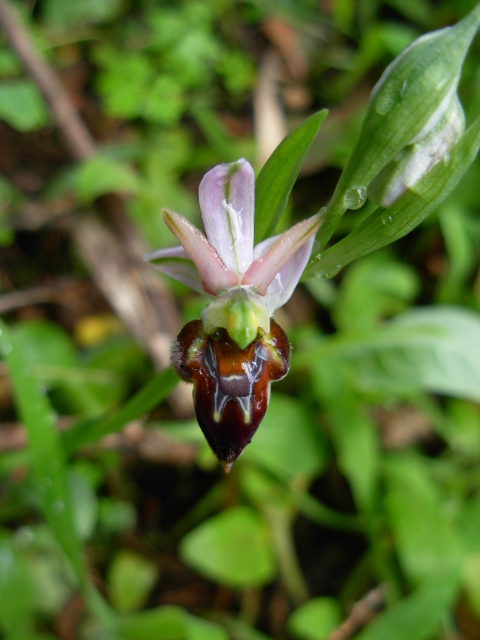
(77, 138)
(113, 251)
(135, 439)
(37, 295)
(362, 612)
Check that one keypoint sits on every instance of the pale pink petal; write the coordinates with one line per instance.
(214, 275)
(283, 285)
(175, 262)
(227, 201)
(264, 269)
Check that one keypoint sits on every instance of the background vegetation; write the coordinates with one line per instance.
(363, 483)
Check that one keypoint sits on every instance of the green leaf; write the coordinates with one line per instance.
(232, 548)
(98, 176)
(52, 355)
(277, 177)
(373, 288)
(167, 623)
(130, 579)
(353, 433)
(285, 451)
(62, 15)
(428, 349)
(426, 543)
(22, 106)
(48, 457)
(85, 505)
(199, 629)
(384, 226)
(88, 432)
(415, 617)
(315, 620)
(16, 593)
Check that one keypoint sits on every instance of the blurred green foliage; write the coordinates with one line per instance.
(372, 441)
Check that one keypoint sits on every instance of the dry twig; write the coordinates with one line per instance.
(135, 439)
(362, 612)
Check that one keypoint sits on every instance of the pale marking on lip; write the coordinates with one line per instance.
(220, 399)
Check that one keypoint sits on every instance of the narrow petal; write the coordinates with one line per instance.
(227, 202)
(214, 275)
(175, 263)
(264, 269)
(169, 252)
(283, 285)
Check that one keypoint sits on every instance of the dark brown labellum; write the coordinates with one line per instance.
(231, 385)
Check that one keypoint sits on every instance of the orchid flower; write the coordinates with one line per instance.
(236, 351)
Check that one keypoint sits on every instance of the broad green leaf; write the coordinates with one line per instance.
(99, 176)
(53, 357)
(85, 505)
(167, 623)
(52, 589)
(429, 349)
(130, 579)
(22, 106)
(232, 548)
(372, 289)
(352, 432)
(88, 432)
(62, 15)
(275, 181)
(289, 443)
(48, 456)
(456, 226)
(315, 620)
(415, 617)
(384, 226)
(16, 593)
(461, 426)
(426, 542)
(199, 629)
(471, 580)
(469, 528)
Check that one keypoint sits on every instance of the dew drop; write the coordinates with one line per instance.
(6, 348)
(355, 198)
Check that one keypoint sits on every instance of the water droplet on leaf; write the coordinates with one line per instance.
(355, 198)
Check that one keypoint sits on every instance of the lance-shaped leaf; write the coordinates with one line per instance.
(277, 177)
(263, 270)
(384, 226)
(414, 93)
(214, 274)
(226, 196)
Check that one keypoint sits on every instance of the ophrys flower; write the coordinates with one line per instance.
(234, 354)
